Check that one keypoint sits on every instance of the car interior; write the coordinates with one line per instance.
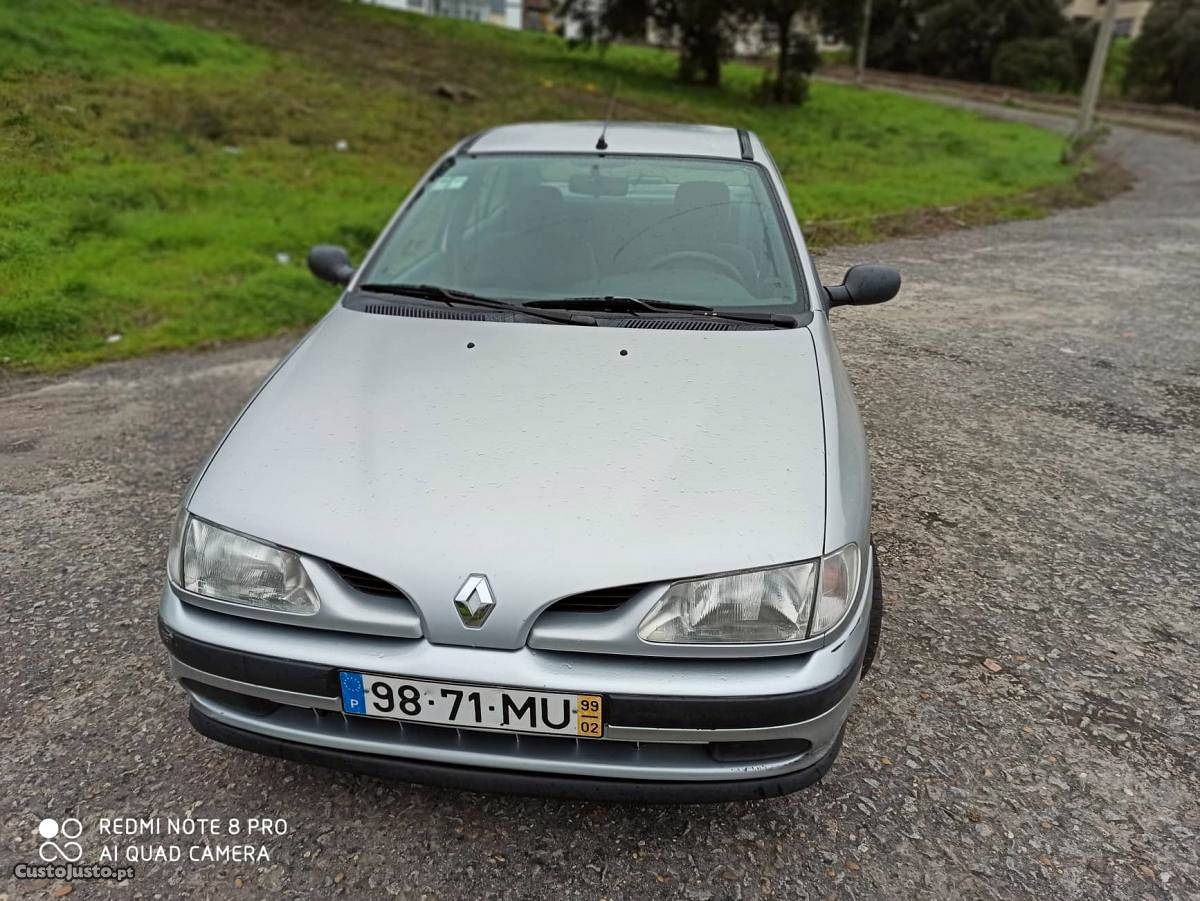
(532, 235)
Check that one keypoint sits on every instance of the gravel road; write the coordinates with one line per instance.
(1033, 403)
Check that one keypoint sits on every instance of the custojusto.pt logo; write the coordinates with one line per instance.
(60, 851)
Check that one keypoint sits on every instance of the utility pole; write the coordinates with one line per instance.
(860, 64)
(1095, 76)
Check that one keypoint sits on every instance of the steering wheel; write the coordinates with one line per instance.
(708, 260)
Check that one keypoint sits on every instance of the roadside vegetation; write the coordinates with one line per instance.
(1026, 44)
(1164, 61)
(167, 163)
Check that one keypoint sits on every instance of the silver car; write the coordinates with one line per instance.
(567, 495)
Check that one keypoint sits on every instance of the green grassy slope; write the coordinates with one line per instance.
(165, 164)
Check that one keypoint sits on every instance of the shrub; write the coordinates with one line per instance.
(952, 38)
(1164, 61)
(1035, 64)
(960, 38)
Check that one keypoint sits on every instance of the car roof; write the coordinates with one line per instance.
(659, 138)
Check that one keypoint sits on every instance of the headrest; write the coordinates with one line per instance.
(692, 194)
(535, 202)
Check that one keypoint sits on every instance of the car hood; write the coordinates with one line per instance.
(554, 459)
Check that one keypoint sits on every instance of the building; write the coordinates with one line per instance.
(508, 13)
(755, 39)
(540, 15)
(1130, 14)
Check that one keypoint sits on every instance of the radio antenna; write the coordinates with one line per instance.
(602, 144)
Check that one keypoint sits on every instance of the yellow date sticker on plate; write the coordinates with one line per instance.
(589, 721)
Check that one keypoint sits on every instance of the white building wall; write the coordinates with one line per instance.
(1130, 14)
(507, 13)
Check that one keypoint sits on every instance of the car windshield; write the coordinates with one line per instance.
(532, 228)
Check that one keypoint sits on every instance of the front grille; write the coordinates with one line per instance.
(551, 754)
(365, 582)
(602, 600)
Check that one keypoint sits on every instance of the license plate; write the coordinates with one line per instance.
(472, 706)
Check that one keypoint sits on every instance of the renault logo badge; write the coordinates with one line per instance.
(474, 601)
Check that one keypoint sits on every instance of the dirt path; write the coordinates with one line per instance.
(1176, 120)
(1033, 400)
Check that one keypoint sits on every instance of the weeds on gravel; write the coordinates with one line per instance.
(166, 166)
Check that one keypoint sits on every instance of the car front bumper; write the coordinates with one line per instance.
(677, 730)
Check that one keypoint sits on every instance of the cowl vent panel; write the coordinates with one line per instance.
(416, 312)
(705, 325)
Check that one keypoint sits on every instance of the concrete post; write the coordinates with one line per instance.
(860, 64)
(1095, 76)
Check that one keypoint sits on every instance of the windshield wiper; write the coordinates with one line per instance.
(615, 304)
(611, 303)
(453, 297)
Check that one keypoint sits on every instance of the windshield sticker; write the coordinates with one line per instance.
(449, 184)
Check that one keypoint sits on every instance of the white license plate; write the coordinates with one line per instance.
(472, 706)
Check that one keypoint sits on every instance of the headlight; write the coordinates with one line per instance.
(229, 567)
(741, 608)
(761, 605)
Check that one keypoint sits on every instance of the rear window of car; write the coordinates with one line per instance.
(531, 227)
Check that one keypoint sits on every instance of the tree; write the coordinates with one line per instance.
(960, 38)
(599, 22)
(797, 54)
(893, 34)
(1164, 61)
(703, 28)
(1057, 63)
(949, 38)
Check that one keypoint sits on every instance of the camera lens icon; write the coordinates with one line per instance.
(69, 829)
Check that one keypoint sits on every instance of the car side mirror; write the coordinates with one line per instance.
(331, 264)
(865, 284)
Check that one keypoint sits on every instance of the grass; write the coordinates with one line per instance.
(842, 56)
(162, 176)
